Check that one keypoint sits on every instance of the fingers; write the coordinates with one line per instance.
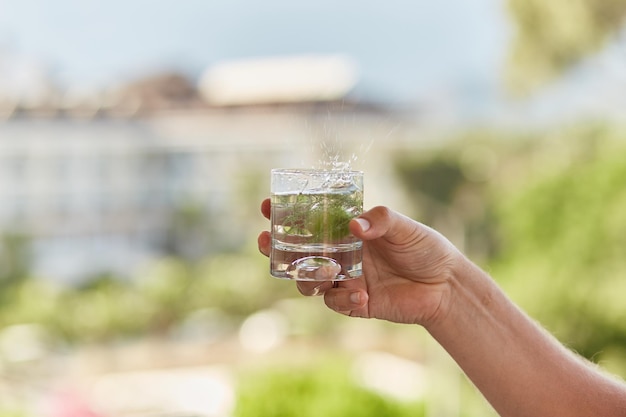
(266, 208)
(349, 297)
(264, 242)
(346, 300)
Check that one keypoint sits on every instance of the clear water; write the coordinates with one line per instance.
(311, 238)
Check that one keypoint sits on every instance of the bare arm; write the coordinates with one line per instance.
(413, 275)
(521, 369)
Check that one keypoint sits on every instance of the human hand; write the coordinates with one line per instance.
(408, 270)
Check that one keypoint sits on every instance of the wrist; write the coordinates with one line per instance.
(452, 278)
(470, 293)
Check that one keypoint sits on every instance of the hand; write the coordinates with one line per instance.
(408, 270)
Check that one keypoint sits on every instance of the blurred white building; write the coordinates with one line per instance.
(101, 181)
(102, 194)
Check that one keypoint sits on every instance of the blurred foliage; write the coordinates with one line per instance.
(156, 300)
(546, 216)
(189, 231)
(324, 389)
(564, 244)
(437, 179)
(15, 262)
(553, 35)
(543, 212)
(449, 189)
(12, 413)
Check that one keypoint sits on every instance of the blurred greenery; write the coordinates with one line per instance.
(12, 413)
(449, 188)
(542, 211)
(321, 389)
(15, 262)
(546, 218)
(552, 36)
(564, 244)
(153, 301)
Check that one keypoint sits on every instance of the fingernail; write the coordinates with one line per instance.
(365, 225)
(355, 298)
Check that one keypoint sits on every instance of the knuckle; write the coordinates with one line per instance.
(382, 212)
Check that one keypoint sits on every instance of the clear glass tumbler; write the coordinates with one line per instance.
(311, 210)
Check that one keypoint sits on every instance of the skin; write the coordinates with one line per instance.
(414, 275)
(395, 244)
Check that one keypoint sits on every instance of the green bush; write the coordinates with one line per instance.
(312, 391)
(563, 254)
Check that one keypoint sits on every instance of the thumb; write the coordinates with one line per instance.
(381, 221)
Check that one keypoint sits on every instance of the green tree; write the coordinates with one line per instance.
(563, 240)
(551, 36)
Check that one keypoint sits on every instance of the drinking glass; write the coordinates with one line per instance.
(311, 210)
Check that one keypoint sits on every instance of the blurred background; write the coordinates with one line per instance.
(136, 140)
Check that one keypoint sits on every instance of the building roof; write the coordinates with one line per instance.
(293, 79)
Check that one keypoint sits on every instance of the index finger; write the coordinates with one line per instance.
(313, 287)
(266, 208)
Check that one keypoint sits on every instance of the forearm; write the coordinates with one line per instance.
(519, 368)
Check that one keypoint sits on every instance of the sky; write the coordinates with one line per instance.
(404, 49)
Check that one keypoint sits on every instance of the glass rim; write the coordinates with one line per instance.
(314, 171)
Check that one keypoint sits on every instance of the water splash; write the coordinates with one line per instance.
(332, 139)
(333, 157)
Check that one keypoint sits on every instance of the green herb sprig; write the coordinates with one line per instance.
(324, 217)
